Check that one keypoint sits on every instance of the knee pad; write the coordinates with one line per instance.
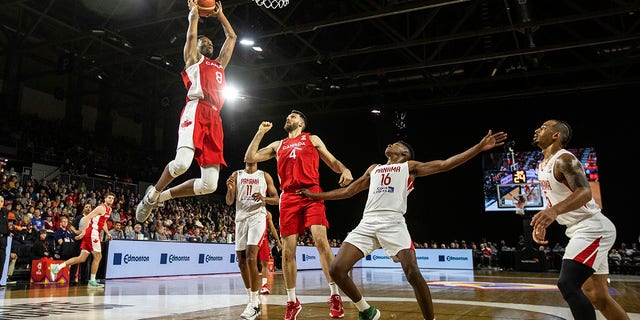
(180, 165)
(208, 182)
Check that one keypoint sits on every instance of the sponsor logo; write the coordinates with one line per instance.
(307, 257)
(206, 258)
(422, 258)
(376, 257)
(387, 189)
(119, 258)
(185, 123)
(170, 258)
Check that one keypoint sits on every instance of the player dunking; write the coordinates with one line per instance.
(383, 224)
(585, 265)
(200, 132)
(298, 163)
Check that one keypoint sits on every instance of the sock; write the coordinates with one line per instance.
(362, 305)
(291, 294)
(62, 265)
(334, 288)
(164, 196)
(255, 298)
(153, 194)
(248, 290)
(93, 277)
(264, 281)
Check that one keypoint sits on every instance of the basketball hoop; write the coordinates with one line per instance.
(272, 4)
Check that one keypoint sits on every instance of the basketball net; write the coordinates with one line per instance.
(272, 4)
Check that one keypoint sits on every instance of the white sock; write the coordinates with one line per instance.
(264, 281)
(255, 298)
(362, 305)
(93, 277)
(334, 288)
(153, 194)
(164, 196)
(291, 294)
(248, 290)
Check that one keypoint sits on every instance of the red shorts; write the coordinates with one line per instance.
(297, 213)
(208, 136)
(201, 129)
(264, 250)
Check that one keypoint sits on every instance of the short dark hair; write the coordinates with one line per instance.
(565, 130)
(411, 152)
(304, 118)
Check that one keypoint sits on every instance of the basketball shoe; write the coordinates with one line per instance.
(265, 289)
(293, 308)
(370, 314)
(336, 310)
(251, 312)
(95, 284)
(144, 208)
(55, 268)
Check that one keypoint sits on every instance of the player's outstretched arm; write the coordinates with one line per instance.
(491, 140)
(253, 155)
(332, 162)
(349, 191)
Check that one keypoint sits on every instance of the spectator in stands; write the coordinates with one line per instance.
(116, 232)
(64, 240)
(36, 222)
(128, 227)
(42, 248)
(179, 234)
(48, 223)
(137, 233)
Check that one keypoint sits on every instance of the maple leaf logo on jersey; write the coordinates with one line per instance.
(303, 138)
(95, 240)
(186, 123)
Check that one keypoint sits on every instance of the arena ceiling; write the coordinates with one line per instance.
(332, 55)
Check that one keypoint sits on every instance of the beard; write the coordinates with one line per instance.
(207, 52)
(288, 127)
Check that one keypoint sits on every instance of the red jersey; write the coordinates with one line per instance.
(97, 223)
(204, 81)
(298, 162)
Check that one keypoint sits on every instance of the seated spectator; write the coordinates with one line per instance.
(64, 240)
(137, 233)
(41, 248)
(48, 223)
(116, 232)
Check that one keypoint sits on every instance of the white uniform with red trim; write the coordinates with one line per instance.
(591, 234)
(251, 215)
(383, 224)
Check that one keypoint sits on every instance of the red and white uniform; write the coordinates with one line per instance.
(91, 241)
(264, 252)
(251, 215)
(591, 234)
(200, 124)
(298, 162)
(383, 224)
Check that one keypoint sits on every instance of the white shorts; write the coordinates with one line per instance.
(590, 241)
(388, 231)
(249, 231)
(187, 125)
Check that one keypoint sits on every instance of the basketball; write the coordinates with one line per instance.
(206, 7)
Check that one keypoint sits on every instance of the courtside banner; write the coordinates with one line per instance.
(307, 258)
(133, 259)
(427, 259)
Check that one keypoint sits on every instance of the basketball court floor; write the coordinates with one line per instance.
(457, 294)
